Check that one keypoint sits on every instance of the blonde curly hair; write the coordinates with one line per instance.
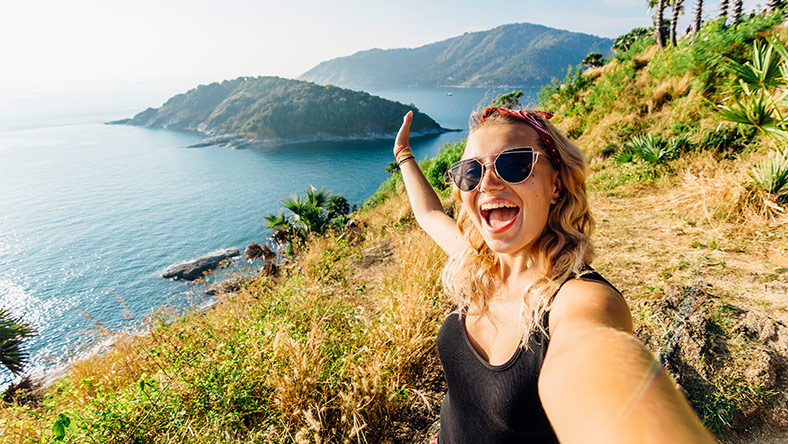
(564, 249)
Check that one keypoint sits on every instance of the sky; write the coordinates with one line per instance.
(56, 44)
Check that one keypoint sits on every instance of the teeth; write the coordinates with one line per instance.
(496, 205)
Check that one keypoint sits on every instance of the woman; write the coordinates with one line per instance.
(519, 278)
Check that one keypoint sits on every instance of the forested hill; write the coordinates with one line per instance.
(520, 54)
(281, 110)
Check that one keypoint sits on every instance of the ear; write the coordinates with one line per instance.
(557, 188)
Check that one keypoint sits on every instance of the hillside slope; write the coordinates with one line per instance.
(340, 347)
(510, 55)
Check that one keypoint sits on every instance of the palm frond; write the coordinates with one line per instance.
(772, 173)
(12, 333)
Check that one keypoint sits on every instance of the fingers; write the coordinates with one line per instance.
(404, 132)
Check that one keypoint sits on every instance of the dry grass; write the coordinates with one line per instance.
(317, 356)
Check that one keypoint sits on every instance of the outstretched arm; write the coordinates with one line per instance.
(599, 384)
(425, 203)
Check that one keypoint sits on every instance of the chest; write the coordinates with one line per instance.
(496, 335)
(478, 391)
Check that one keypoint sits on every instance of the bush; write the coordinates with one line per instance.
(771, 175)
(653, 150)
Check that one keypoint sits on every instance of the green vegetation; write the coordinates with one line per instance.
(272, 108)
(703, 124)
(518, 54)
(12, 333)
(593, 60)
(333, 349)
(317, 211)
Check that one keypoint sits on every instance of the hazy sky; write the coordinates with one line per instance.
(49, 44)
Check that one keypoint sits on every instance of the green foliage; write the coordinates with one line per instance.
(721, 407)
(60, 426)
(276, 108)
(624, 42)
(633, 42)
(437, 169)
(653, 150)
(337, 206)
(724, 139)
(12, 333)
(751, 100)
(707, 56)
(593, 60)
(508, 100)
(312, 214)
(560, 92)
(772, 175)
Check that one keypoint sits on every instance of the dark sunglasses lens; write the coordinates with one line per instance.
(514, 167)
(466, 175)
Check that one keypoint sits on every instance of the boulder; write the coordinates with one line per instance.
(195, 268)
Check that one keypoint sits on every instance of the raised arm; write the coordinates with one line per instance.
(599, 384)
(425, 203)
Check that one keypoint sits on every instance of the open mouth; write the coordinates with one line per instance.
(499, 215)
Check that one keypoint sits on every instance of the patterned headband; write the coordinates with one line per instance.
(528, 117)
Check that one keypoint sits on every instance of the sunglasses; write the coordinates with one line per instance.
(512, 166)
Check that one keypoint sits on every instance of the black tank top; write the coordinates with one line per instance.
(488, 403)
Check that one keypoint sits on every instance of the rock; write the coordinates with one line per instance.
(228, 286)
(381, 252)
(727, 358)
(194, 269)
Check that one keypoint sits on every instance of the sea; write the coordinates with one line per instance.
(90, 213)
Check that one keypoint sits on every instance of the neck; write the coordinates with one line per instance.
(514, 268)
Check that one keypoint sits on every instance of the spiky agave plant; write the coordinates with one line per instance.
(653, 150)
(758, 88)
(772, 175)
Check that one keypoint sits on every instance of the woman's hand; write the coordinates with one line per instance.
(599, 384)
(403, 135)
(425, 203)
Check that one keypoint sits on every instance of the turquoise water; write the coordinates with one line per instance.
(91, 213)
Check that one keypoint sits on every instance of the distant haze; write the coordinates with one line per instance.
(89, 44)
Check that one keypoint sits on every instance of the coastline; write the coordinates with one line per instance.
(236, 141)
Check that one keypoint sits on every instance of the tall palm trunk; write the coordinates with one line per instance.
(737, 7)
(674, 21)
(774, 4)
(697, 17)
(723, 9)
(658, 25)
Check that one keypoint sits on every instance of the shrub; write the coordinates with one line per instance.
(654, 150)
(772, 175)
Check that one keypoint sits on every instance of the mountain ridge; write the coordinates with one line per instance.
(507, 55)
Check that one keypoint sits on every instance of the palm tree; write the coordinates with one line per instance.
(697, 18)
(313, 213)
(678, 9)
(773, 5)
(659, 20)
(737, 7)
(723, 9)
(12, 333)
(282, 226)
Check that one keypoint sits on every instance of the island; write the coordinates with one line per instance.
(250, 111)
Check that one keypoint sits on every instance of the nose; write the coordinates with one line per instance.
(490, 179)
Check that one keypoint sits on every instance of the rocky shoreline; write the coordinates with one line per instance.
(235, 141)
(238, 142)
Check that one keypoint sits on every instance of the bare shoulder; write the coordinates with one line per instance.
(584, 302)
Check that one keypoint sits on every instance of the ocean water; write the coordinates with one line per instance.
(90, 214)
